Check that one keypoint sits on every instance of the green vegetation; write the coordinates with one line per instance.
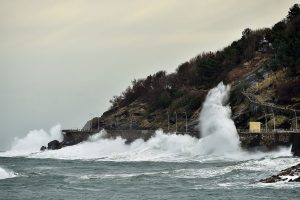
(285, 38)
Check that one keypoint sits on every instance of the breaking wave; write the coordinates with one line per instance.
(216, 126)
(4, 173)
(33, 141)
(161, 147)
(219, 141)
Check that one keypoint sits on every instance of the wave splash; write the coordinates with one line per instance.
(4, 174)
(162, 147)
(217, 129)
(33, 141)
(219, 141)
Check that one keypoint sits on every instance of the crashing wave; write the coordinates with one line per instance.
(4, 173)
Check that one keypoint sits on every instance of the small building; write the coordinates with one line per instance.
(254, 127)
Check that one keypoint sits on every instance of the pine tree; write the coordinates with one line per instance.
(293, 12)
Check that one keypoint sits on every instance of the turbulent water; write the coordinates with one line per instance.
(167, 166)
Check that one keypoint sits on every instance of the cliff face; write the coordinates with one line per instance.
(262, 67)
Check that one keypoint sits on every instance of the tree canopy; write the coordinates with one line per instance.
(160, 89)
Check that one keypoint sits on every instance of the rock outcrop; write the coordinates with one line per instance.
(43, 148)
(291, 174)
(53, 145)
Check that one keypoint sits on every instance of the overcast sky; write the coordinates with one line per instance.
(61, 61)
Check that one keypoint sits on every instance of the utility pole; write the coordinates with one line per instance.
(91, 121)
(273, 120)
(176, 120)
(168, 121)
(185, 121)
(266, 123)
(296, 120)
(130, 121)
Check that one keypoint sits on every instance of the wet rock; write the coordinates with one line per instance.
(129, 141)
(53, 145)
(69, 143)
(43, 148)
(272, 179)
(297, 179)
(291, 174)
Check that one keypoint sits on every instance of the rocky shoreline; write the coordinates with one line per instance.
(291, 174)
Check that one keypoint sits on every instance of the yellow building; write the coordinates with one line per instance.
(254, 127)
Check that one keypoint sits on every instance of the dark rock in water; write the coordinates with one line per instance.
(297, 179)
(272, 179)
(296, 145)
(291, 174)
(54, 145)
(43, 148)
(129, 141)
(69, 143)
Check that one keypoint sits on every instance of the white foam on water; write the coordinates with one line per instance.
(289, 178)
(32, 142)
(161, 147)
(5, 173)
(119, 175)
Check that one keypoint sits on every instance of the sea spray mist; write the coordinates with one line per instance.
(217, 129)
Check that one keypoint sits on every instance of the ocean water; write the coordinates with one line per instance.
(204, 177)
(167, 166)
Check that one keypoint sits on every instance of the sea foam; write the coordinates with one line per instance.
(4, 173)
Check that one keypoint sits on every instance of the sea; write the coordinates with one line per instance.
(146, 171)
(167, 166)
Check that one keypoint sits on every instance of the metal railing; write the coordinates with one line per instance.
(269, 131)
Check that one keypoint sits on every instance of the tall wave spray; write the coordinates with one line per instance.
(219, 134)
(33, 141)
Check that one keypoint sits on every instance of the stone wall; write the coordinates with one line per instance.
(267, 140)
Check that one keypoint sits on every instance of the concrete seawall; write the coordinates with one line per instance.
(267, 140)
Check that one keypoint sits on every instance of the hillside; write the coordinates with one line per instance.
(262, 67)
